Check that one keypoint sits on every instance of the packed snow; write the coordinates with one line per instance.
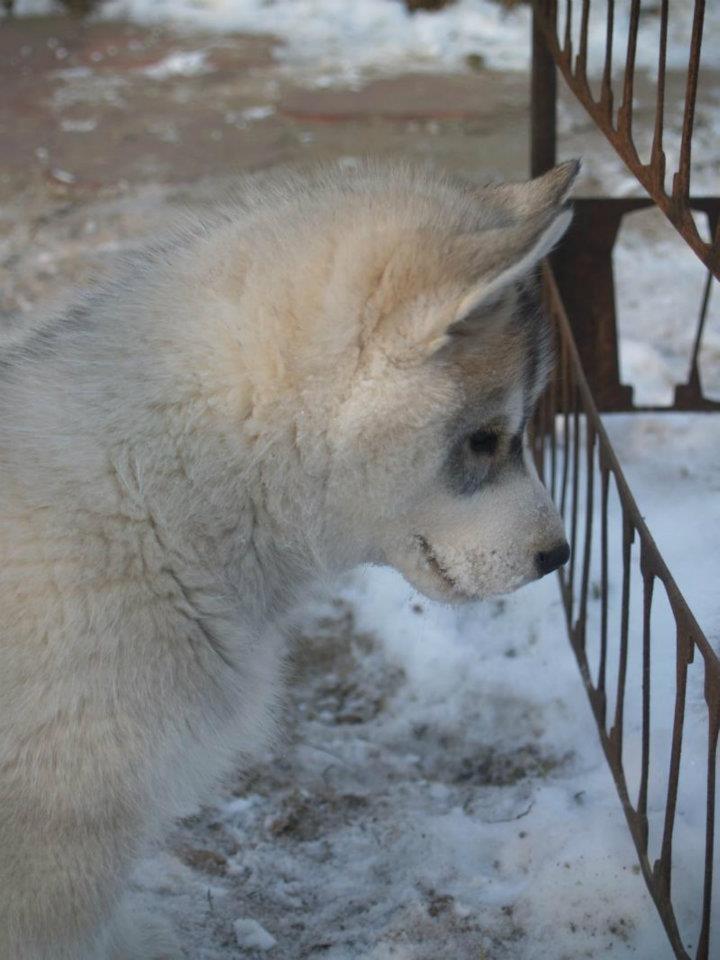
(439, 789)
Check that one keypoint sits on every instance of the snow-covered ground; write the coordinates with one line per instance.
(441, 794)
(337, 40)
(439, 791)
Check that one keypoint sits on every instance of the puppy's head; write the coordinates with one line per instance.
(448, 353)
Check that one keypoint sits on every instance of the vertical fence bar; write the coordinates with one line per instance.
(681, 184)
(616, 733)
(694, 374)
(567, 45)
(580, 627)
(553, 437)
(581, 60)
(566, 424)
(543, 101)
(575, 491)
(684, 656)
(712, 697)
(606, 91)
(657, 154)
(605, 480)
(625, 113)
(648, 584)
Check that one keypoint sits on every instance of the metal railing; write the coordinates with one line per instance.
(616, 122)
(584, 269)
(578, 464)
(624, 611)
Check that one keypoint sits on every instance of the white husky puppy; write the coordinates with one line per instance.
(336, 371)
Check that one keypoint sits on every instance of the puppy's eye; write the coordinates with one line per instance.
(483, 441)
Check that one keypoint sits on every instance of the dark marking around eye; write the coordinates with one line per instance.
(483, 442)
(515, 448)
(538, 344)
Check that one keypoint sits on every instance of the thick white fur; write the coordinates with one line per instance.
(260, 401)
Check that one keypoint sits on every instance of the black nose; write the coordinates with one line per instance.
(548, 560)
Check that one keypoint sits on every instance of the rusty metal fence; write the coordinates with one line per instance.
(584, 272)
(616, 122)
(578, 464)
(624, 611)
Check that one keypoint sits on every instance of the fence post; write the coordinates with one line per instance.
(543, 102)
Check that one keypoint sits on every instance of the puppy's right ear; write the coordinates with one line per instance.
(537, 219)
(509, 254)
(531, 219)
(531, 197)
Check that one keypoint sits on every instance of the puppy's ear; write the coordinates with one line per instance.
(528, 220)
(508, 254)
(537, 221)
(532, 197)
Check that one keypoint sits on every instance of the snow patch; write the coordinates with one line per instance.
(250, 935)
(78, 126)
(187, 63)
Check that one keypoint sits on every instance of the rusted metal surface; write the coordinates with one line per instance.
(583, 269)
(584, 264)
(543, 96)
(578, 464)
(617, 124)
